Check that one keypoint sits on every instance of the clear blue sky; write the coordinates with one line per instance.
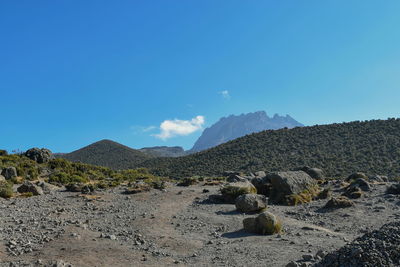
(74, 72)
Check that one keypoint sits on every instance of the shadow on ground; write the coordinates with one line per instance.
(237, 234)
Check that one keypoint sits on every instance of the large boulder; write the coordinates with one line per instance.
(9, 173)
(233, 178)
(378, 178)
(232, 190)
(361, 183)
(260, 174)
(47, 188)
(39, 155)
(265, 223)
(394, 189)
(262, 184)
(356, 175)
(250, 202)
(29, 187)
(284, 184)
(313, 172)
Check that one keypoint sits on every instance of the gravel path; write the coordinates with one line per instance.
(176, 227)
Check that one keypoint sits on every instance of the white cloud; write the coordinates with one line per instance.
(148, 129)
(142, 129)
(171, 128)
(225, 94)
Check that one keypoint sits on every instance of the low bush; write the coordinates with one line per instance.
(304, 197)
(6, 190)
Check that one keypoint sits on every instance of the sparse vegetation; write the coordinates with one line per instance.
(339, 149)
(304, 197)
(6, 189)
(188, 181)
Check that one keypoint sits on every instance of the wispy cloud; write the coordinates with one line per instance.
(142, 129)
(172, 128)
(225, 94)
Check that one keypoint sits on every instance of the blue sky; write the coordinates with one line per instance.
(74, 72)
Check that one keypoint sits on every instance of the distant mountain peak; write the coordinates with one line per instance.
(235, 126)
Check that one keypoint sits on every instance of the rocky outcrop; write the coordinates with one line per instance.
(356, 175)
(264, 224)
(29, 187)
(233, 127)
(288, 183)
(9, 172)
(250, 203)
(39, 155)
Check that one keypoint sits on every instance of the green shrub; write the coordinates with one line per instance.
(233, 191)
(6, 190)
(188, 182)
(64, 178)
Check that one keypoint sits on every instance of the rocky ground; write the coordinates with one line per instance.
(177, 226)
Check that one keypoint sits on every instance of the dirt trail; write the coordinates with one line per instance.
(177, 227)
(161, 227)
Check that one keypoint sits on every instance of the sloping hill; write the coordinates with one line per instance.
(339, 149)
(109, 154)
(232, 127)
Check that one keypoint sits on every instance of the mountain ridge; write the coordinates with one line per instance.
(235, 126)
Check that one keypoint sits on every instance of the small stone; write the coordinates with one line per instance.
(308, 257)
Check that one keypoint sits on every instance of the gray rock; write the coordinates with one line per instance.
(379, 178)
(262, 184)
(235, 178)
(29, 187)
(265, 223)
(260, 174)
(9, 173)
(308, 257)
(356, 175)
(292, 264)
(394, 189)
(287, 183)
(39, 155)
(47, 188)
(362, 184)
(250, 202)
(313, 172)
(339, 202)
(232, 190)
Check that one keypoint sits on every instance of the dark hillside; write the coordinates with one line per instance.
(339, 149)
(109, 154)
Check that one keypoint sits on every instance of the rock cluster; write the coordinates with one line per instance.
(9, 173)
(39, 155)
(376, 248)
